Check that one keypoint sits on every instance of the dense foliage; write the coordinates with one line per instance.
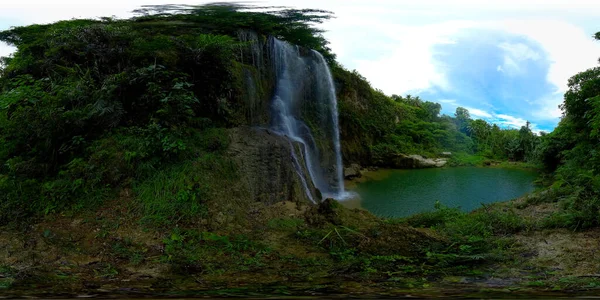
(91, 106)
(571, 153)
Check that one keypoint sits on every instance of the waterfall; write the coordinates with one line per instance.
(325, 78)
(304, 108)
(298, 168)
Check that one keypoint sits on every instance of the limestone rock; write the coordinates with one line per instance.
(266, 167)
(352, 171)
(446, 154)
(416, 162)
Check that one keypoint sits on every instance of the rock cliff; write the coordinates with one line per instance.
(266, 166)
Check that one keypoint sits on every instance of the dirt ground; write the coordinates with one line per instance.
(77, 255)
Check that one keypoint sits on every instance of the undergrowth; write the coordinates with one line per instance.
(192, 251)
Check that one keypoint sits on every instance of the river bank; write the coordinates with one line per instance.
(462, 159)
(357, 174)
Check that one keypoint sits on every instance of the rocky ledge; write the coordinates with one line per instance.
(400, 161)
(414, 161)
(353, 171)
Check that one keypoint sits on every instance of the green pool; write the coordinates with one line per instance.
(399, 193)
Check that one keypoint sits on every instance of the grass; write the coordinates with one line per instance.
(575, 282)
(474, 238)
(126, 250)
(484, 222)
(464, 159)
(172, 196)
(286, 223)
(178, 195)
(106, 271)
(468, 241)
(477, 160)
(325, 243)
(517, 165)
(7, 276)
(192, 251)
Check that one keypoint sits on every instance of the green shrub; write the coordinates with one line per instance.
(286, 223)
(174, 195)
(473, 236)
(440, 216)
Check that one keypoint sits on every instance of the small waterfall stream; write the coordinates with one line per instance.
(304, 108)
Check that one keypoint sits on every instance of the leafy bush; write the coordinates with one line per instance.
(473, 236)
(191, 251)
(440, 216)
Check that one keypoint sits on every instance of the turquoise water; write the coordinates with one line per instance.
(402, 193)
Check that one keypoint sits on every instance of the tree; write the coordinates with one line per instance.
(480, 130)
(433, 110)
(296, 26)
(462, 119)
(526, 141)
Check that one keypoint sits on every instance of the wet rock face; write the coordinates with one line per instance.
(402, 161)
(266, 167)
(353, 171)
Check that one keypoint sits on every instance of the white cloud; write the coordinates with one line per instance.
(478, 113)
(5, 49)
(569, 48)
(549, 108)
(507, 121)
(41, 11)
(448, 101)
(409, 65)
(514, 55)
(519, 51)
(502, 120)
(511, 66)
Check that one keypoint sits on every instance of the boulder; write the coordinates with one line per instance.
(446, 154)
(353, 171)
(416, 162)
(440, 162)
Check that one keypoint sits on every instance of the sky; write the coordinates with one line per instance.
(506, 61)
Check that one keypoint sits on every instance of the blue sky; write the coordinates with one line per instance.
(506, 61)
(499, 77)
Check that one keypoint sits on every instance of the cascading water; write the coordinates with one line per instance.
(326, 81)
(305, 95)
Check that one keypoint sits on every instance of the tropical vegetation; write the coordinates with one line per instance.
(114, 138)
